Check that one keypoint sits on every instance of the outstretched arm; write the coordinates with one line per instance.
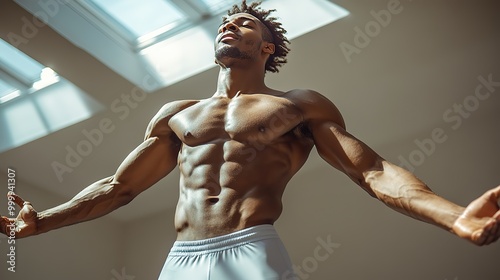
(142, 168)
(395, 186)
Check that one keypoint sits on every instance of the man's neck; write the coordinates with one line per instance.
(233, 81)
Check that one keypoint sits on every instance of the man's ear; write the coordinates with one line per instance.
(269, 48)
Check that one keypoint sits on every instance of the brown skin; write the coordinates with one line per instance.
(238, 149)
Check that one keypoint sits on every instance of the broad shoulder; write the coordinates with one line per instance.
(159, 123)
(314, 106)
(174, 107)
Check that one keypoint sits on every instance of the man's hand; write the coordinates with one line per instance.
(480, 222)
(26, 222)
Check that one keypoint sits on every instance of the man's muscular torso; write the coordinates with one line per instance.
(236, 157)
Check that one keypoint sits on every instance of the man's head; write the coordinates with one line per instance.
(250, 20)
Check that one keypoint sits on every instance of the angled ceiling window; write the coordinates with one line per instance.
(137, 21)
(156, 43)
(35, 100)
(19, 65)
(143, 23)
(21, 74)
(213, 7)
(7, 91)
(142, 17)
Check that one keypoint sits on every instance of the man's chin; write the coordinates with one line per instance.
(227, 51)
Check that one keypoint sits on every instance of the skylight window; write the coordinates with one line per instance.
(20, 74)
(213, 7)
(156, 43)
(9, 95)
(6, 90)
(140, 18)
(47, 78)
(18, 65)
(35, 100)
(144, 23)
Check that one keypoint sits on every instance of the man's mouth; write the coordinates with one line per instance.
(228, 36)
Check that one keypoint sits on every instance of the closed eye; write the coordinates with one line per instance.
(247, 25)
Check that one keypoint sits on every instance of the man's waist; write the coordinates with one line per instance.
(224, 242)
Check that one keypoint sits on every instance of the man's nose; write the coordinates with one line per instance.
(229, 26)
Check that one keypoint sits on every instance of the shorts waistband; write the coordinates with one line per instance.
(224, 242)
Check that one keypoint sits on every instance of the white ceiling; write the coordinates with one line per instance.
(395, 91)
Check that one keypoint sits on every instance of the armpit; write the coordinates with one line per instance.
(302, 131)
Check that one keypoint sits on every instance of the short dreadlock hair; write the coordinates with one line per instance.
(275, 33)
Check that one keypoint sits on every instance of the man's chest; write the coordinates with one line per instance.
(245, 118)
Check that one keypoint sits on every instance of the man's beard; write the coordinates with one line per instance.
(231, 52)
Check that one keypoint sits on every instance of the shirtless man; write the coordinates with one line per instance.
(236, 152)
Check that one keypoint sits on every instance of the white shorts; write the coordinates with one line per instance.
(255, 253)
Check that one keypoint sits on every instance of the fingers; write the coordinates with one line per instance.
(497, 216)
(488, 235)
(495, 194)
(493, 233)
(18, 200)
(496, 232)
(496, 229)
(497, 189)
(4, 223)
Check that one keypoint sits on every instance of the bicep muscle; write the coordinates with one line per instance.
(344, 152)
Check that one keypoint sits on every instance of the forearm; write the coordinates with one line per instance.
(98, 199)
(402, 191)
